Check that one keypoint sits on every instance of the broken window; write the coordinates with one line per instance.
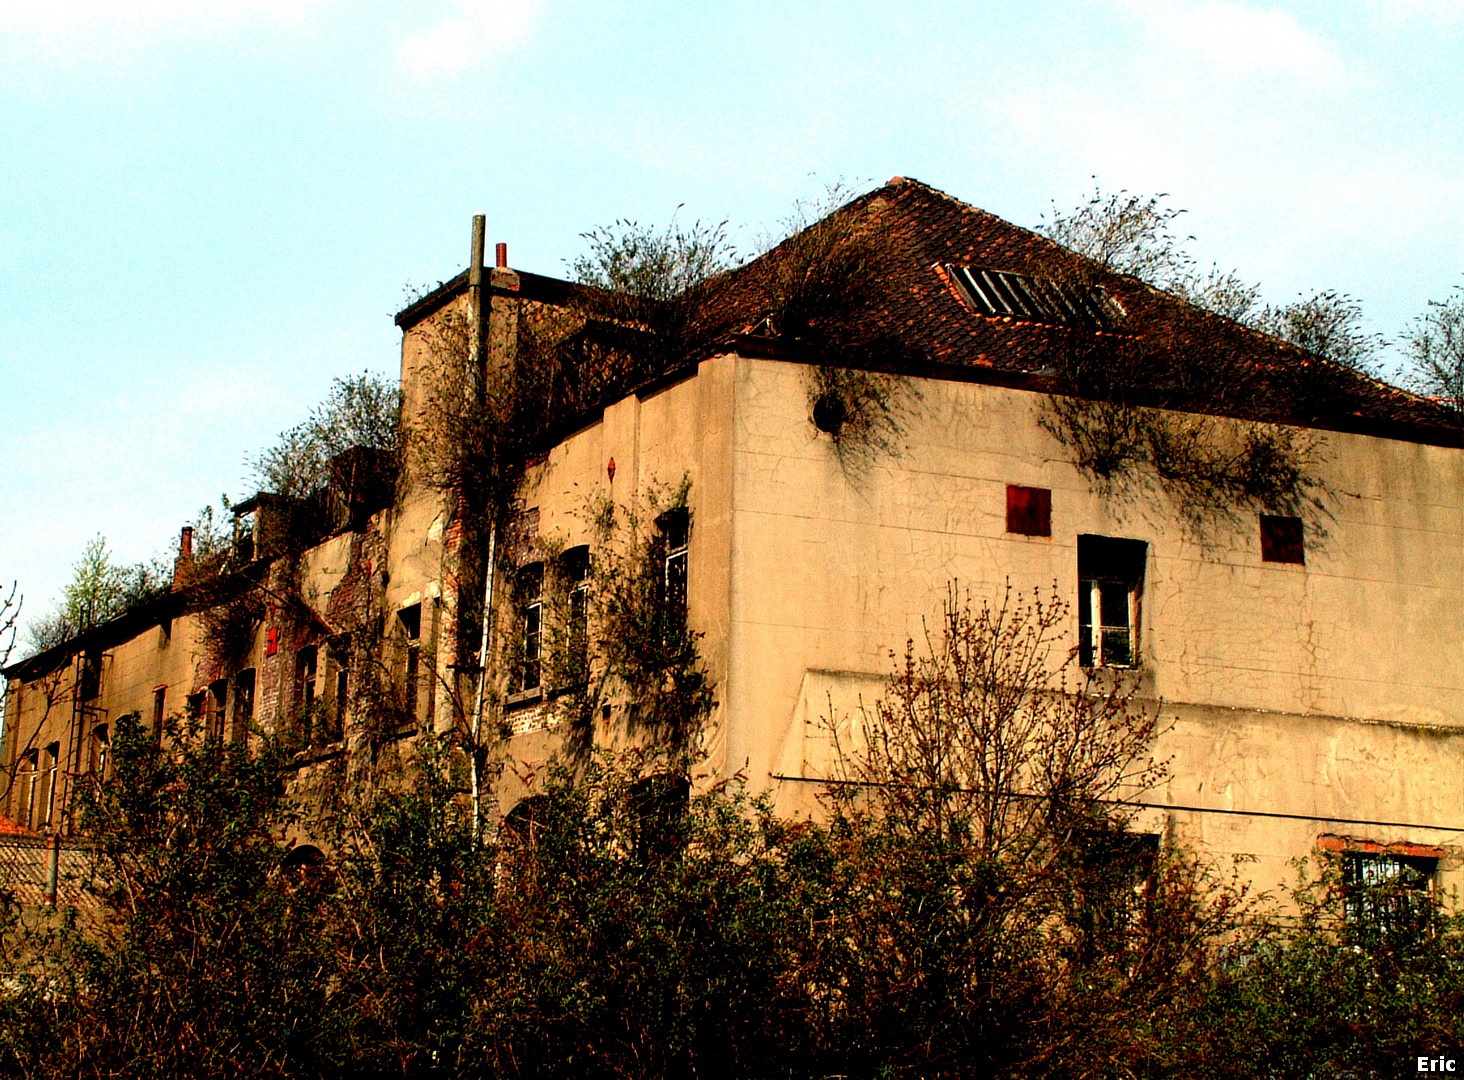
(1028, 510)
(160, 712)
(1117, 874)
(528, 592)
(1110, 583)
(305, 670)
(1386, 891)
(575, 570)
(53, 775)
(674, 529)
(243, 703)
(1282, 539)
(32, 788)
(409, 621)
(216, 704)
(90, 678)
(98, 751)
(337, 685)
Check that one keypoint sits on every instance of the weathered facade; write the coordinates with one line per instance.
(1304, 659)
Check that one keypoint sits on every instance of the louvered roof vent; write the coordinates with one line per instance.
(1034, 299)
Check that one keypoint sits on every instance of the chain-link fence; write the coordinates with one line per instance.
(46, 871)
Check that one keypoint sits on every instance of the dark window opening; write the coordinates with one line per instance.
(1110, 584)
(340, 692)
(216, 706)
(1117, 876)
(575, 569)
(160, 712)
(409, 619)
(53, 773)
(1028, 510)
(1388, 892)
(243, 704)
(1282, 539)
(90, 677)
(674, 529)
(100, 749)
(306, 661)
(32, 761)
(528, 592)
(524, 823)
(658, 806)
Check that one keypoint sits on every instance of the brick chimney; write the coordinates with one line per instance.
(183, 564)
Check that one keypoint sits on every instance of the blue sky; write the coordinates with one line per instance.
(209, 208)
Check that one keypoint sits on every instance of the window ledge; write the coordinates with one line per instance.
(524, 698)
(315, 755)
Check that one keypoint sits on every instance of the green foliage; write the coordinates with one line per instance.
(1327, 325)
(1140, 406)
(207, 964)
(1435, 348)
(413, 928)
(828, 273)
(641, 659)
(1311, 994)
(99, 590)
(657, 282)
(359, 411)
(1125, 233)
(621, 925)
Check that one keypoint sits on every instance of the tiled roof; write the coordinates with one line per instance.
(924, 231)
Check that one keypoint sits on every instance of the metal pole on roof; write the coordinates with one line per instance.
(475, 300)
(475, 383)
(483, 665)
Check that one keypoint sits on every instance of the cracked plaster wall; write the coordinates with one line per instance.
(1332, 688)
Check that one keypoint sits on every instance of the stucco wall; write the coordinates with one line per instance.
(1332, 688)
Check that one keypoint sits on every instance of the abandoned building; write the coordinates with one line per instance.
(810, 482)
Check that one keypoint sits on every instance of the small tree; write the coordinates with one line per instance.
(992, 914)
(96, 592)
(656, 282)
(10, 606)
(361, 411)
(1139, 403)
(204, 957)
(982, 738)
(1435, 348)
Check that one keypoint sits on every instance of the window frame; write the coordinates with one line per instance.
(528, 598)
(673, 553)
(307, 673)
(245, 683)
(32, 759)
(1110, 569)
(53, 771)
(574, 571)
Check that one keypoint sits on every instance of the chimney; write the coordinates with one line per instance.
(500, 251)
(475, 268)
(183, 564)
